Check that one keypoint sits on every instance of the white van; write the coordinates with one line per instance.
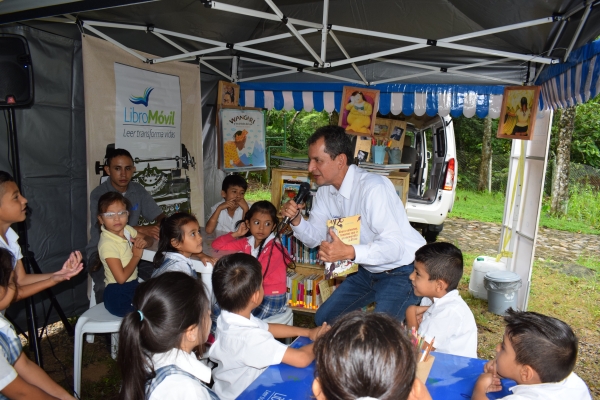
(430, 148)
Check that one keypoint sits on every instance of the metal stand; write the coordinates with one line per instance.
(29, 262)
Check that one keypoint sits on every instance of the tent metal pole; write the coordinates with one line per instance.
(218, 58)
(378, 54)
(339, 78)
(275, 37)
(578, 31)
(172, 43)
(500, 29)
(111, 40)
(253, 78)
(259, 14)
(215, 69)
(324, 30)
(190, 37)
(234, 69)
(516, 83)
(272, 64)
(116, 25)
(294, 31)
(563, 23)
(361, 76)
(275, 56)
(187, 55)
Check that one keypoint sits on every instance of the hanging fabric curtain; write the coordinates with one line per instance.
(454, 100)
(573, 82)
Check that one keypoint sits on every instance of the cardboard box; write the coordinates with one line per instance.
(424, 367)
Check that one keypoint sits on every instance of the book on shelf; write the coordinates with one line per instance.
(299, 252)
(309, 291)
(348, 230)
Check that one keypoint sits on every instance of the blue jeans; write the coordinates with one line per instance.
(391, 290)
(118, 297)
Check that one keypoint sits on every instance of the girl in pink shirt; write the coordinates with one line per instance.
(255, 236)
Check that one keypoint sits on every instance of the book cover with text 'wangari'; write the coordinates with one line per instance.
(348, 230)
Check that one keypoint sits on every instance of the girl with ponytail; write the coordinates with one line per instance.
(161, 340)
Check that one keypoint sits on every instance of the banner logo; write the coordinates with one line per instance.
(142, 100)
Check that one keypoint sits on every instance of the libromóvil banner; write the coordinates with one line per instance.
(148, 114)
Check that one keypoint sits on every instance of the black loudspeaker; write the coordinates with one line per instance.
(16, 72)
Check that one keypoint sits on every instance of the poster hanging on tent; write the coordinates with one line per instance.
(242, 139)
(519, 108)
(148, 114)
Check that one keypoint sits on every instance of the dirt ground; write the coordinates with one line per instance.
(556, 249)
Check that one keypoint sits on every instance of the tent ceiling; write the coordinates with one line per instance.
(426, 19)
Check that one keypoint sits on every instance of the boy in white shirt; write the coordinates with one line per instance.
(245, 345)
(442, 315)
(539, 353)
(225, 214)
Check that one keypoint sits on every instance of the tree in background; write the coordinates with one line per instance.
(486, 156)
(560, 184)
(299, 124)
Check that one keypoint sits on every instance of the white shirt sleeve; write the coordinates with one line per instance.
(7, 373)
(262, 349)
(314, 231)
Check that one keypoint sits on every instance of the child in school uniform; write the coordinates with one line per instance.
(443, 318)
(346, 366)
(539, 353)
(19, 376)
(225, 214)
(13, 209)
(245, 345)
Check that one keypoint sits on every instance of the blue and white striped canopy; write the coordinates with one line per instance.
(573, 82)
(454, 100)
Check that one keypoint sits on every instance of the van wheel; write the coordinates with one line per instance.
(430, 236)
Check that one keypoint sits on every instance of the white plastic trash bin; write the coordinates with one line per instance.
(481, 266)
(502, 288)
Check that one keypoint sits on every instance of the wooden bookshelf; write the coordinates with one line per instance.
(307, 269)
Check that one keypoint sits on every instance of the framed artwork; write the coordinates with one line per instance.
(400, 182)
(358, 110)
(285, 184)
(519, 107)
(242, 139)
(228, 94)
(382, 127)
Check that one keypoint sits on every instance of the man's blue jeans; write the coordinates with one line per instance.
(391, 290)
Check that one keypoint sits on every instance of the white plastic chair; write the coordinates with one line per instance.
(285, 318)
(95, 320)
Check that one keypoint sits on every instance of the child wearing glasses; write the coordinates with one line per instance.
(120, 249)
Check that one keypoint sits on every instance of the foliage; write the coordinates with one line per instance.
(586, 136)
(299, 125)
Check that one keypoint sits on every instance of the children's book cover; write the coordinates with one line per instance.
(348, 230)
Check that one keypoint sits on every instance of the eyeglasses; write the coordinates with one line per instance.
(113, 215)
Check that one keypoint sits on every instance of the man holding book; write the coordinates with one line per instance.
(387, 245)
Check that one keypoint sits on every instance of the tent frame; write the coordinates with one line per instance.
(316, 61)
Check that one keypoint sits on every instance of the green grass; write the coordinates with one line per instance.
(258, 194)
(582, 217)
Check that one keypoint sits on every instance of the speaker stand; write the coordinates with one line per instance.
(29, 262)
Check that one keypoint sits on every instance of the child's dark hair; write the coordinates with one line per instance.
(235, 278)
(116, 153)
(442, 261)
(166, 306)
(171, 228)
(365, 355)
(4, 178)
(109, 198)
(234, 180)
(6, 268)
(546, 344)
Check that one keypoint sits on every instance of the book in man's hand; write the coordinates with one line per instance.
(348, 230)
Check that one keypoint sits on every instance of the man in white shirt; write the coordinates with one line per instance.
(387, 241)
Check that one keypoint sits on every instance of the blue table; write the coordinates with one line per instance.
(452, 377)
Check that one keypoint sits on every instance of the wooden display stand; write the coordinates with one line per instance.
(400, 180)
